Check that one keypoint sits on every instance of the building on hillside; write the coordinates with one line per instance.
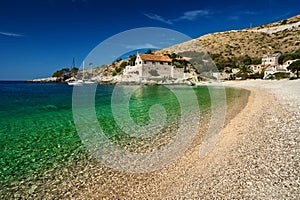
(256, 68)
(270, 59)
(154, 66)
(270, 70)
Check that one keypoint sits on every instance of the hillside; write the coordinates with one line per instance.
(234, 48)
(288, 21)
(254, 43)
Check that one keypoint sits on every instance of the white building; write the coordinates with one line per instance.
(149, 66)
(270, 70)
(270, 59)
(256, 68)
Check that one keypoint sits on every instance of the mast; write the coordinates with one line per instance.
(73, 62)
(83, 70)
(91, 66)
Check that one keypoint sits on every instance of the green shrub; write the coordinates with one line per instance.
(281, 75)
(123, 64)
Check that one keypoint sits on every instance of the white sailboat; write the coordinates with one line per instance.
(83, 81)
(77, 82)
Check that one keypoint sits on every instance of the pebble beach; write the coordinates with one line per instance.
(258, 155)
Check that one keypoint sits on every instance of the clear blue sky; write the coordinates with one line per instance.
(37, 37)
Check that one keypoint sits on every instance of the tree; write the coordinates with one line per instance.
(114, 73)
(118, 69)
(220, 66)
(132, 59)
(65, 72)
(58, 73)
(118, 59)
(180, 63)
(283, 22)
(295, 67)
(282, 58)
(123, 64)
(256, 61)
(247, 60)
(74, 70)
(289, 56)
(245, 70)
(149, 51)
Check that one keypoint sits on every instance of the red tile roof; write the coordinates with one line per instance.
(150, 57)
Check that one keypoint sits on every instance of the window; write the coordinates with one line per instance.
(169, 63)
(161, 63)
(145, 62)
(153, 63)
(140, 62)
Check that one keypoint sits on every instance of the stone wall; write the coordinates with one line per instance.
(157, 70)
(178, 73)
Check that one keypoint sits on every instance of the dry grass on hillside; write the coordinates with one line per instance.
(254, 44)
(247, 42)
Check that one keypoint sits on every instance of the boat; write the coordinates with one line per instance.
(76, 82)
(83, 81)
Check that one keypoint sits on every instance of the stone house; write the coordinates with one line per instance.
(270, 59)
(153, 66)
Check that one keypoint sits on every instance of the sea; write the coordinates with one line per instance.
(37, 129)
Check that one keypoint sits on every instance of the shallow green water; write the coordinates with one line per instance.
(37, 129)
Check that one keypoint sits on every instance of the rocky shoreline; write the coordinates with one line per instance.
(46, 80)
(110, 80)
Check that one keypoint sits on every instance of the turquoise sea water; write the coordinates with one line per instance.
(37, 128)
